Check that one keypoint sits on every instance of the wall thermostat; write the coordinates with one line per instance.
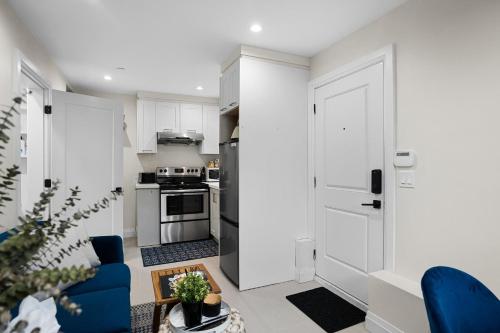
(404, 158)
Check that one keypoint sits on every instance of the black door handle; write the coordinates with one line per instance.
(118, 190)
(377, 204)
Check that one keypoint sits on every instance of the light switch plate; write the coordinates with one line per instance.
(406, 178)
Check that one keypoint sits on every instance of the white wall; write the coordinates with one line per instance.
(15, 36)
(447, 55)
(272, 170)
(168, 155)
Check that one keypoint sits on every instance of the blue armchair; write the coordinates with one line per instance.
(456, 302)
(104, 299)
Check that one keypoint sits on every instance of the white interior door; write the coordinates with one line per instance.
(349, 144)
(87, 151)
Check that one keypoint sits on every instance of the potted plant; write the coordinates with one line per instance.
(191, 290)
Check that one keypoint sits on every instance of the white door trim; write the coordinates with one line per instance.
(385, 56)
(22, 65)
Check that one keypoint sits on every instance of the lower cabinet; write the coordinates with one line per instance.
(148, 216)
(214, 213)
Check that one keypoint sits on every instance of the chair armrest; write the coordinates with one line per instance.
(109, 249)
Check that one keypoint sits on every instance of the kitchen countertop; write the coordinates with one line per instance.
(146, 186)
(214, 185)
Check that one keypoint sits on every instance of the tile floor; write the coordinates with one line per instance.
(265, 310)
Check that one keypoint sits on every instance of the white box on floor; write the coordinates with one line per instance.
(304, 260)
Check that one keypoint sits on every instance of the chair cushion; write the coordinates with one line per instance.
(107, 277)
(457, 302)
(105, 311)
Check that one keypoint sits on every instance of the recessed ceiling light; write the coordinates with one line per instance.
(108, 78)
(121, 68)
(199, 88)
(256, 27)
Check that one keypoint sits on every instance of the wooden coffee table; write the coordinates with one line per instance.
(171, 301)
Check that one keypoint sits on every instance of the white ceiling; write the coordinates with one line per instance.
(173, 46)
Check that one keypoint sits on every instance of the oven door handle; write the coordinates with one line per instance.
(174, 192)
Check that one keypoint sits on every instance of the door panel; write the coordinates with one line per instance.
(149, 127)
(88, 153)
(345, 139)
(191, 117)
(346, 238)
(348, 145)
(167, 117)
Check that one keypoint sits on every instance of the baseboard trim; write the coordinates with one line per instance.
(129, 233)
(375, 324)
(339, 292)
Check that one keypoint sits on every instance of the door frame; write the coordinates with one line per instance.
(385, 56)
(23, 66)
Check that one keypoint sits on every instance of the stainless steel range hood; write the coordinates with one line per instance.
(186, 137)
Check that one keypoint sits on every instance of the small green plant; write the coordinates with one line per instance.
(192, 288)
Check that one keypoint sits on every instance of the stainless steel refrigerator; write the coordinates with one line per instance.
(229, 231)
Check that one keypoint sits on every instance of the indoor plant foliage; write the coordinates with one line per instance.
(25, 267)
(191, 290)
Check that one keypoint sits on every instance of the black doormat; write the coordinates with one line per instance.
(327, 310)
(142, 317)
(170, 253)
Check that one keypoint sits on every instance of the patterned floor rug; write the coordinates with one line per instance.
(142, 318)
(170, 253)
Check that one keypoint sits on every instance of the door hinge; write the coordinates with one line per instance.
(47, 183)
(314, 182)
(314, 254)
(314, 108)
(47, 109)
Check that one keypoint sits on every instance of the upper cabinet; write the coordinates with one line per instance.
(146, 126)
(230, 88)
(167, 116)
(210, 144)
(192, 118)
(158, 116)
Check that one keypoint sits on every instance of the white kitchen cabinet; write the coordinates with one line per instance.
(210, 144)
(148, 215)
(230, 88)
(214, 213)
(158, 116)
(146, 126)
(167, 116)
(191, 118)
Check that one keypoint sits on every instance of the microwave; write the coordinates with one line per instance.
(212, 174)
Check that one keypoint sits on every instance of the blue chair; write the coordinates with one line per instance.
(456, 302)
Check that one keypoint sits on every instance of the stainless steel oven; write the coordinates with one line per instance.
(181, 205)
(184, 215)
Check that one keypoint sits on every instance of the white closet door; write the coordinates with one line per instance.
(87, 151)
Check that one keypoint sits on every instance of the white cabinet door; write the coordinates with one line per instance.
(146, 127)
(222, 93)
(210, 144)
(230, 88)
(214, 213)
(191, 117)
(167, 116)
(234, 89)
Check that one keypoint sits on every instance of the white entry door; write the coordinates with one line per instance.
(349, 144)
(87, 151)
